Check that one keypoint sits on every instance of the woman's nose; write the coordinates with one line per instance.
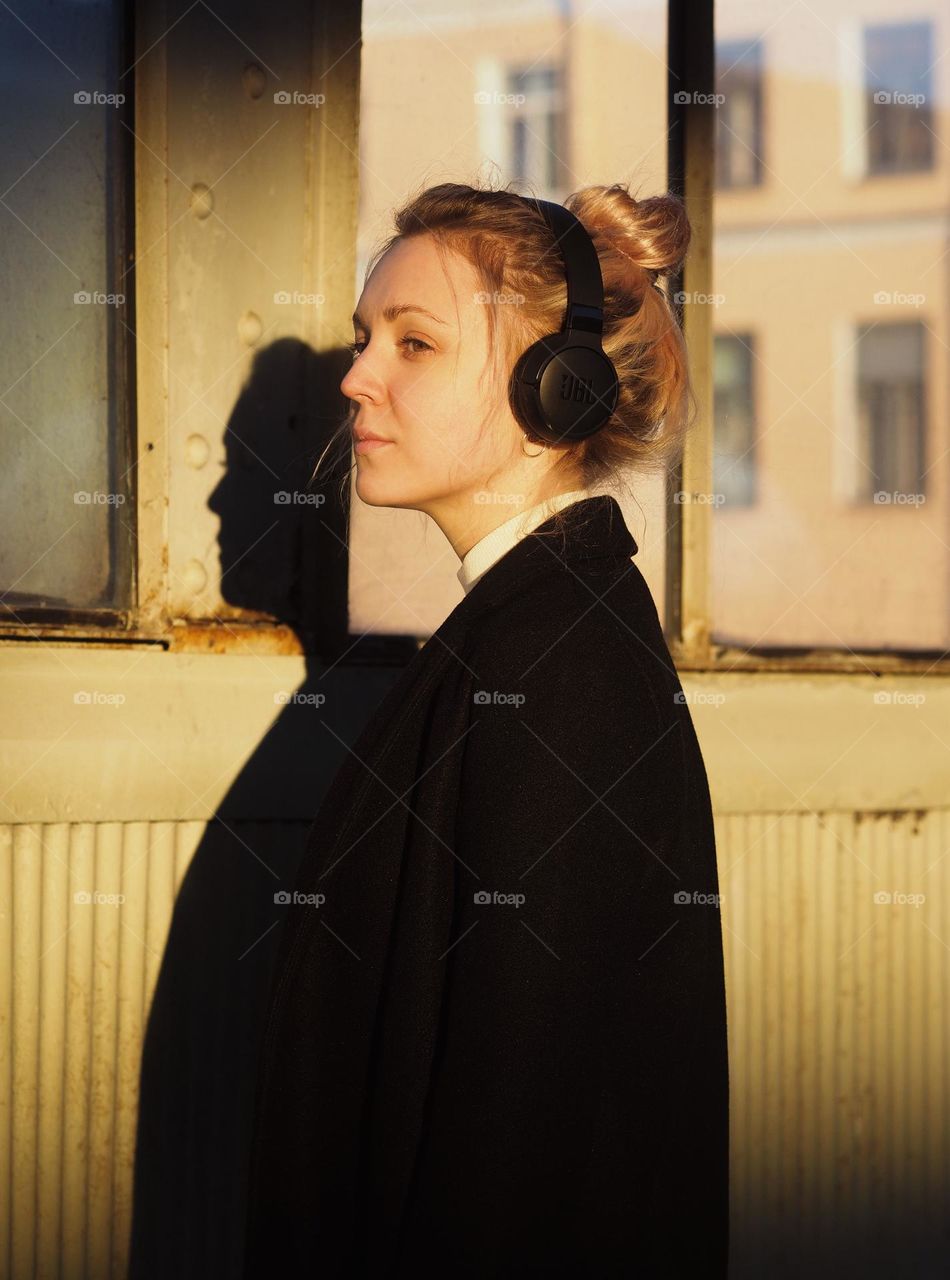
(360, 381)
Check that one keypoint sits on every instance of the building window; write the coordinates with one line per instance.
(891, 411)
(536, 129)
(739, 118)
(898, 97)
(734, 405)
(66, 507)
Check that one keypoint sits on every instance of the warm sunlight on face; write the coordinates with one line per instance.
(422, 383)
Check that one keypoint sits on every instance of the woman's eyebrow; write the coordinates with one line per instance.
(396, 309)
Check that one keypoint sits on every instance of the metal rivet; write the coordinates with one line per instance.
(254, 80)
(250, 328)
(195, 577)
(202, 200)
(196, 451)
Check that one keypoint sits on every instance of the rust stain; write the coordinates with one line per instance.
(216, 637)
(914, 816)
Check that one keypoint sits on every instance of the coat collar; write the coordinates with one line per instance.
(593, 529)
(480, 558)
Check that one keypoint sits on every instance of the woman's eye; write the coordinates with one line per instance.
(415, 345)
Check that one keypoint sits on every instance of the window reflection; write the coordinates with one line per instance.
(65, 391)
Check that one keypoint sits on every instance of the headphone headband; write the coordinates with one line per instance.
(585, 285)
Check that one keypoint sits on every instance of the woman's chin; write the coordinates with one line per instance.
(373, 490)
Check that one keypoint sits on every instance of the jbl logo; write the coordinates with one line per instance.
(578, 389)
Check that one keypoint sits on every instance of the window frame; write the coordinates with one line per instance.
(36, 622)
(691, 72)
(150, 621)
(691, 169)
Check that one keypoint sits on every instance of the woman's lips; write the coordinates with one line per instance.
(367, 446)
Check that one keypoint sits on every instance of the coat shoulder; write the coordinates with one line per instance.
(578, 632)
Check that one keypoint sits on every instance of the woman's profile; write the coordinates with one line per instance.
(496, 1038)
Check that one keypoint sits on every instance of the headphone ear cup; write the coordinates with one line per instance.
(563, 389)
(523, 396)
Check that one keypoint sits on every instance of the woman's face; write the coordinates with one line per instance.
(420, 379)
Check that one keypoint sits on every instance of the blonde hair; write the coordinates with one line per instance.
(512, 250)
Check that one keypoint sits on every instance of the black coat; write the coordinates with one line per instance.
(533, 1085)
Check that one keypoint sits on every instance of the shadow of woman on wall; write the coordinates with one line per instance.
(283, 560)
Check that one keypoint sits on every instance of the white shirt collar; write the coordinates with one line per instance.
(480, 558)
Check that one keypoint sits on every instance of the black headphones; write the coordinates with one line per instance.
(565, 387)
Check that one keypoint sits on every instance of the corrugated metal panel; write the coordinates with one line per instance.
(77, 976)
(837, 1007)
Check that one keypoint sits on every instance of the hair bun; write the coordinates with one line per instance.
(653, 233)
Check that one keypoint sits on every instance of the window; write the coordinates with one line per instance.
(891, 411)
(739, 120)
(898, 97)
(535, 121)
(458, 91)
(842, 282)
(65, 331)
(734, 441)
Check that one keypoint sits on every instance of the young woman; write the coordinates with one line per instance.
(497, 1047)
